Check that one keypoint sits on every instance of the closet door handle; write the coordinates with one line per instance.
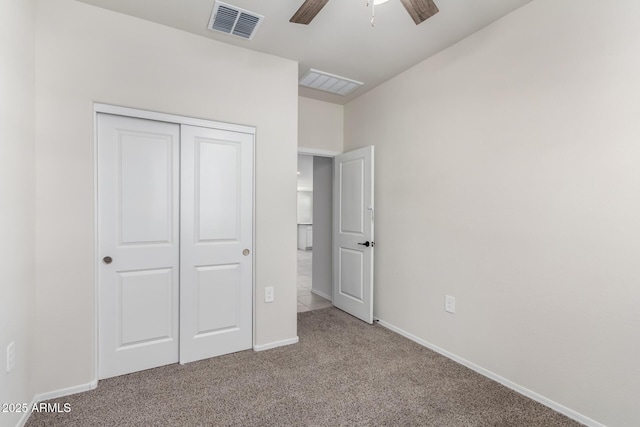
(367, 243)
(107, 260)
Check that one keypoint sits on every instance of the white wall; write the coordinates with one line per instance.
(508, 176)
(305, 172)
(86, 55)
(17, 200)
(321, 129)
(320, 125)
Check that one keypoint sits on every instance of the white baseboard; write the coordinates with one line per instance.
(55, 394)
(275, 344)
(66, 391)
(322, 294)
(491, 375)
(25, 416)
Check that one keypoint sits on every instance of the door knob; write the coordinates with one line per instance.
(107, 260)
(246, 252)
(367, 243)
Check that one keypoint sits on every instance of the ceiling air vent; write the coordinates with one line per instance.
(234, 21)
(329, 82)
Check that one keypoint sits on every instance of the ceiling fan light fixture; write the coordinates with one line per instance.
(419, 10)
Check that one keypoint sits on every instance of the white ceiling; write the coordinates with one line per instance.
(340, 40)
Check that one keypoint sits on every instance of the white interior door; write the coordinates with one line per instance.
(138, 235)
(216, 243)
(353, 239)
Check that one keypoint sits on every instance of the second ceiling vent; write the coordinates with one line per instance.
(234, 21)
(327, 82)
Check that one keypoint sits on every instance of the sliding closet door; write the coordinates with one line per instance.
(175, 243)
(216, 242)
(138, 244)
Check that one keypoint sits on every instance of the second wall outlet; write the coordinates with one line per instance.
(449, 304)
(268, 294)
(11, 356)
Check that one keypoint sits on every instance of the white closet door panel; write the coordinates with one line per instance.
(216, 283)
(138, 195)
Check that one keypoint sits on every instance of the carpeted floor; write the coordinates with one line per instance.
(342, 373)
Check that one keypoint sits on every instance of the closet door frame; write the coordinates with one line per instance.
(169, 118)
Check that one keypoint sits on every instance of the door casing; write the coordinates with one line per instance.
(321, 227)
(333, 155)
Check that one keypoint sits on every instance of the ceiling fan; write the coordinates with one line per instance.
(419, 10)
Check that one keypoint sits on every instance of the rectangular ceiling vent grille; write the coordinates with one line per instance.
(329, 82)
(234, 21)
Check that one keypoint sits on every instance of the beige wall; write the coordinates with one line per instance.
(86, 55)
(321, 131)
(17, 200)
(320, 125)
(508, 176)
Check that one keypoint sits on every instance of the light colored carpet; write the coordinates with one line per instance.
(342, 373)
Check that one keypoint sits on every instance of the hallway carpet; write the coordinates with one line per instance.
(343, 372)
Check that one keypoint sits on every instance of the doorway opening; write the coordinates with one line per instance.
(342, 230)
(314, 219)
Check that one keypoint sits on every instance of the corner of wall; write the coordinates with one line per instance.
(17, 192)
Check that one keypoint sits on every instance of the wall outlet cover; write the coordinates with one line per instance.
(11, 356)
(268, 294)
(449, 304)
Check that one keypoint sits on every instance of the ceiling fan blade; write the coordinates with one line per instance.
(420, 10)
(307, 11)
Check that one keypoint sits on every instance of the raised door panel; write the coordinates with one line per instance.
(217, 202)
(219, 304)
(351, 274)
(351, 183)
(146, 187)
(146, 307)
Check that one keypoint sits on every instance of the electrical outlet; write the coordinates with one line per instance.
(268, 294)
(449, 304)
(11, 356)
